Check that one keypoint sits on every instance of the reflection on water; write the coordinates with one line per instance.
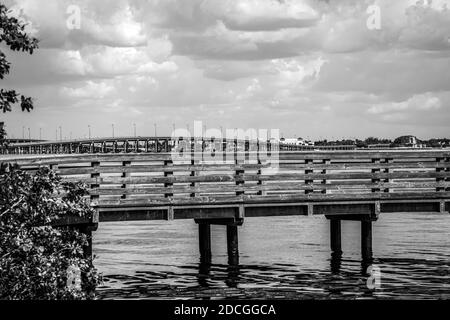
(280, 258)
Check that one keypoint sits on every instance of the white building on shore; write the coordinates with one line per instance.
(295, 142)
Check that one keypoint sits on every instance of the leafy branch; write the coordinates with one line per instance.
(12, 33)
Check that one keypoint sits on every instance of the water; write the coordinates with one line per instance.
(280, 258)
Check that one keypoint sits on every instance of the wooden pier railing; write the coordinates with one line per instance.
(121, 180)
(224, 188)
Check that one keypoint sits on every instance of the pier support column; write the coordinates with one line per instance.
(88, 249)
(204, 237)
(232, 245)
(335, 237)
(366, 240)
(87, 230)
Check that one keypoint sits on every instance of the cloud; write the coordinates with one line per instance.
(424, 102)
(429, 109)
(92, 90)
(257, 15)
(297, 72)
(394, 73)
(101, 23)
(234, 62)
(106, 61)
(427, 26)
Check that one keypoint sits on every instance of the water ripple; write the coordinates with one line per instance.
(281, 258)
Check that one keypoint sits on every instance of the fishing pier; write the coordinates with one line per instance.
(226, 186)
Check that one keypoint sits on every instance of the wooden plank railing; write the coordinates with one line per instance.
(158, 180)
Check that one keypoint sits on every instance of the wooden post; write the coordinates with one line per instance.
(366, 239)
(324, 181)
(232, 245)
(261, 191)
(168, 174)
(388, 170)
(335, 237)
(193, 173)
(377, 170)
(239, 173)
(204, 237)
(125, 174)
(438, 180)
(239, 182)
(224, 147)
(95, 175)
(447, 160)
(308, 171)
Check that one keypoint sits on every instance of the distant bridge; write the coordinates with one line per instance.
(23, 140)
(145, 145)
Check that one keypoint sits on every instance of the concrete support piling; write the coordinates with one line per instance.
(204, 235)
(87, 230)
(366, 240)
(232, 245)
(335, 238)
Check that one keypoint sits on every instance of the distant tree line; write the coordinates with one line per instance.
(359, 143)
(436, 143)
(371, 141)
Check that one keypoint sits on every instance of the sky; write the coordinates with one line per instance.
(310, 68)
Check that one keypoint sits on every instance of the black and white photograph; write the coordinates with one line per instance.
(199, 151)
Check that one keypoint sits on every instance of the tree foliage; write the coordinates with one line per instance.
(12, 33)
(2, 134)
(36, 258)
